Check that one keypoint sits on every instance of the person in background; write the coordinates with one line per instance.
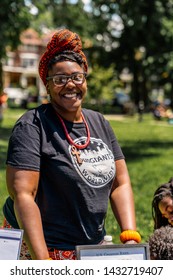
(161, 243)
(162, 205)
(3, 105)
(64, 163)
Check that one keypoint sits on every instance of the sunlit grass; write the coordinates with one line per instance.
(148, 148)
(10, 116)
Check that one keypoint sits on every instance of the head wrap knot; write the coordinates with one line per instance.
(62, 40)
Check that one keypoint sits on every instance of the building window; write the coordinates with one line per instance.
(26, 62)
(29, 48)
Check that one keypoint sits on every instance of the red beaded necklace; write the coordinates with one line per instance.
(75, 147)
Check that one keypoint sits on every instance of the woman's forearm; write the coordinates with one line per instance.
(29, 219)
(121, 198)
(122, 203)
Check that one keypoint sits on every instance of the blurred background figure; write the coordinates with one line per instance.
(3, 105)
(163, 112)
(159, 112)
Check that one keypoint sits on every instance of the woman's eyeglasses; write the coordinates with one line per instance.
(61, 80)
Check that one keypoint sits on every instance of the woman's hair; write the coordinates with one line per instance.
(161, 243)
(64, 45)
(162, 191)
(66, 55)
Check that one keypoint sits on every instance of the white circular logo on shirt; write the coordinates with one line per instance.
(95, 165)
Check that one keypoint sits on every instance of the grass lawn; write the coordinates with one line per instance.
(10, 117)
(148, 148)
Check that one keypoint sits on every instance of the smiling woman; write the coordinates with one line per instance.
(64, 164)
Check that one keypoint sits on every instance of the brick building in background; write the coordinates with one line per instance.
(20, 68)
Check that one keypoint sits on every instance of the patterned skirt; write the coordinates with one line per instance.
(55, 254)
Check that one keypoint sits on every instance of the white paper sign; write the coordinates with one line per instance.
(10, 243)
(113, 252)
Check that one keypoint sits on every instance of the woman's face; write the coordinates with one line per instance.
(166, 208)
(66, 98)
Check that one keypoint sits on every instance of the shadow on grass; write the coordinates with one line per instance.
(5, 133)
(4, 136)
(3, 156)
(145, 149)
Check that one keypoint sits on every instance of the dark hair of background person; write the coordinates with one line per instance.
(161, 192)
(161, 243)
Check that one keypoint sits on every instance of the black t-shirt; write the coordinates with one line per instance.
(72, 197)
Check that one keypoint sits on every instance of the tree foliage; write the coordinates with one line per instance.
(102, 84)
(137, 35)
(147, 25)
(14, 17)
(66, 14)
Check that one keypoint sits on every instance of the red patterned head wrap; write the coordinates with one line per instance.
(63, 40)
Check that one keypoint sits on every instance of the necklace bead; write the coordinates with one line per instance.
(70, 140)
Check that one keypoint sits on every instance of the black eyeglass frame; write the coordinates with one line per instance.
(68, 77)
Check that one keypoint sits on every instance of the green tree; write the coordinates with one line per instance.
(64, 14)
(14, 17)
(101, 87)
(137, 35)
(146, 42)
